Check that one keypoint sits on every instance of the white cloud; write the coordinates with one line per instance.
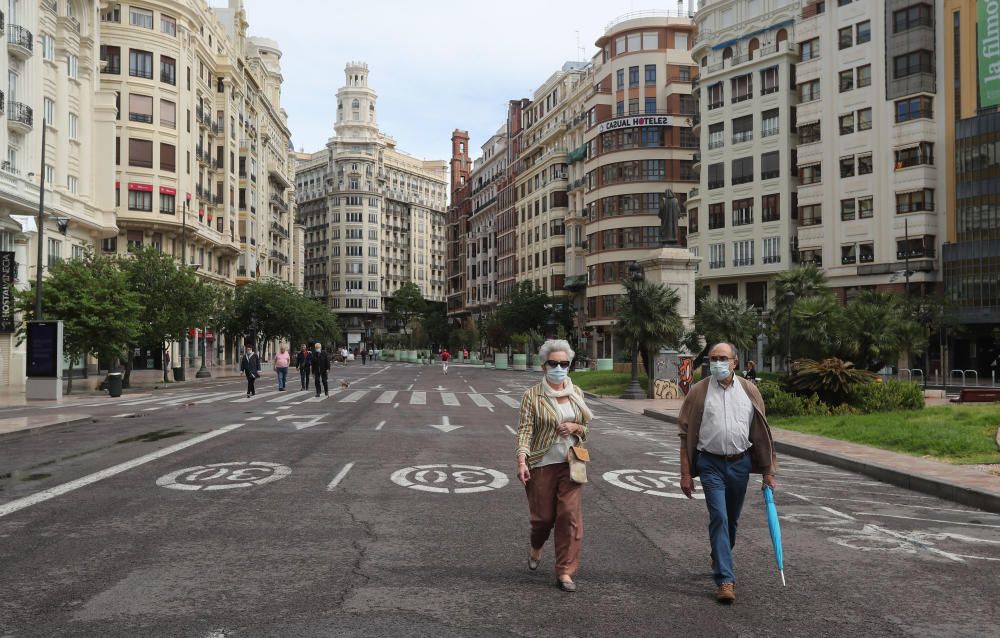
(436, 65)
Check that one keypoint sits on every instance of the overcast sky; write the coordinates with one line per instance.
(436, 65)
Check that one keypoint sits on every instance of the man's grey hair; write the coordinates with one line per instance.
(555, 345)
(732, 349)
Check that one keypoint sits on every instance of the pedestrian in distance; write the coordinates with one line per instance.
(552, 428)
(364, 356)
(751, 372)
(281, 362)
(321, 368)
(303, 362)
(724, 438)
(250, 366)
(444, 360)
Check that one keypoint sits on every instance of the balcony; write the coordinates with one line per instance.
(742, 136)
(20, 117)
(279, 229)
(927, 252)
(20, 42)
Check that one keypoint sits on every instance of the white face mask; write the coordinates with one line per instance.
(720, 370)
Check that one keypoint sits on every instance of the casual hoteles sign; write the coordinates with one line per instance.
(8, 273)
(637, 120)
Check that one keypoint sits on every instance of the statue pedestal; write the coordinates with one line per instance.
(675, 268)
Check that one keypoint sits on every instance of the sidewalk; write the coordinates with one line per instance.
(956, 483)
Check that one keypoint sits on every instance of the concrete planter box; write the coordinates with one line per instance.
(605, 364)
(520, 362)
(536, 362)
(411, 356)
(500, 362)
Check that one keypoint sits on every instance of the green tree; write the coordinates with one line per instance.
(405, 305)
(723, 319)
(648, 318)
(527, 310)
(92, 298)
(434, 321)
(877, 329)
(264, 311)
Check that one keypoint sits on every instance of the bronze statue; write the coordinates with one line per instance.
(670, 212)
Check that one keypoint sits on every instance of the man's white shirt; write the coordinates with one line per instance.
(725, 423)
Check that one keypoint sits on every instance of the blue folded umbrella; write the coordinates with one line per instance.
(775, 527)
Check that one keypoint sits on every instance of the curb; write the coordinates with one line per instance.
(986, 501)
(79, 419)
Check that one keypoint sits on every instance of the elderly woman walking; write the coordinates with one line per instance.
(553, 419)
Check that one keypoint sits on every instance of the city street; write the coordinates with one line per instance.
(391, 508)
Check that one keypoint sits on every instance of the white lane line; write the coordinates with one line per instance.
(322, 397)
(152, 409)
(218, 396)
(418, 398)
(473, 390)
(929, 520)
(387, 396)
(858, 500)
(340, 477)
(449, 398)
(514, 403)
(271, 412)
(34, 499)
(255, 397)
(409, 388)
(285, 407)
(254, 418)
(379, 426)
(395, 405)
(354, 396)
(511, 430)
(287, 397)
(480, 400)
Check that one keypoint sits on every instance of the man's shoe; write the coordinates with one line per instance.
(726, 593)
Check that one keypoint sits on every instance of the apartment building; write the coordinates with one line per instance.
(508, 211)
(51, 62)
(971, 255)
(639, 143)
(374, 216)
(740, 219)
(457, 217)
(486, 183)
(869, 90)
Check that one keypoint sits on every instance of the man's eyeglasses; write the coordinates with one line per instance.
(719, 359)
(557, 364)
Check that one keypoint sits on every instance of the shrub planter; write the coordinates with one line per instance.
(536, 362)
(520, 362)
(605, 364)
(500, 362)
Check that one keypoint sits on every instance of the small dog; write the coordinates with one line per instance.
(344, 384)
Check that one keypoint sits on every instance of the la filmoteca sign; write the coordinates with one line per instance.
(635, 120)
(8, 273)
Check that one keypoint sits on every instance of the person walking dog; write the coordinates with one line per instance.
(724, 438)
(552, 428)
(281, 362)
(321, 368)
(303, 361)
(250, 366)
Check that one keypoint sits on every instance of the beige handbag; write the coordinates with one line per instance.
(578, 457)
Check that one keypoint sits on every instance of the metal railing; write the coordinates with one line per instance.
(19, 36)
(18, 112)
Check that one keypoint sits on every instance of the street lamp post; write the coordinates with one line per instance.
(634, 390)
(203, 372)
(183, 345)
(790, 300)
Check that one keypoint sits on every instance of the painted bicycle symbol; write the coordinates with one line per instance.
(655, 482)
(442, 478)
(224, 476)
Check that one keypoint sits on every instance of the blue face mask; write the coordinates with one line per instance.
(720, 370)
(557, 374)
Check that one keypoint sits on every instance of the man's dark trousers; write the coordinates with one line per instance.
(322, 376)
(725, 486)
(304, 376)
(251, 377)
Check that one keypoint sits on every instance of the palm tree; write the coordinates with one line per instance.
(648, 318)
(723, 319)
(878, 329)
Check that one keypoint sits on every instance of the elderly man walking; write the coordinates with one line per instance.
(724, 438)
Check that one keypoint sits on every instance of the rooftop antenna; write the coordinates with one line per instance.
(579, 48)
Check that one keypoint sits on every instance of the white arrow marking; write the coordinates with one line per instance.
(302, 425)
(375, 387)
(502, 391)
(440, 388)
(445, 426)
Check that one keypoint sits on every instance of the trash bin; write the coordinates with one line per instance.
(178, 374)
(115, 384)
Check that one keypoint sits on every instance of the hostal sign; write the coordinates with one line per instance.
(634, 121)
(8, 273)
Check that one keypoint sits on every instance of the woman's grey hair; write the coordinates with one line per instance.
(555, 345)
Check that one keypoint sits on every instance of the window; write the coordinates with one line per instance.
(716, 216)
(112, 14)
(849, 254)
(48, 47)
(846, 80)
(866, 253)
(743, 253)
(914, 108)
(140, 64)
(651, 104)
(72, 66)
(809, 49)
(915, 201)
(167, 204)
(809, 133)
(864, 74)
(742, 88)
(864, 32)
(49, 110)
(917, 15)
(72, 183)
(168, 25)
(633, 107)
(771, 250)
(54, 255)
(848, 209)
(866, 207)
(847, 166)
(650, 74)
(168, 70)
(742, 212)
(717, 256)
(742, 170)
(620, 77)
(109, 245)
(770, 165)
(140, 108)
(716, 135)
(112, 57)
(769, 81)
(168, 114)
(811, 174)
(920, 61)
(845, 38)
(168, 157)
(692, 225)
(809, 91)
(770, 206)
(680, 41)
(811, 215)
(769, 123)
(865, 119)
(633, 76)
(140, 17)
(74, 126)
(716, 176)
(743, 129)
(50, 174)
(715, 96)
(865, 165)
(651, 40)
(620, 108)
(922, 153)
(140, 200)
(140, 153)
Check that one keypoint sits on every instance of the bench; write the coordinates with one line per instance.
(978, 395)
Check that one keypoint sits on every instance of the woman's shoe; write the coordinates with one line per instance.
(533, 563)
(566, 585)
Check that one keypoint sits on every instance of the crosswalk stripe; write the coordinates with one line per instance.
(387, 396)
(216, 396)
(155, 399)
(514, 403)
(354, 396)
(288, 396)
(259, 395)
(418, 398)
(449, 399)
(315, 399)
(480, 400)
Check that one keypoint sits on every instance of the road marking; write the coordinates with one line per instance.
(509, 401)
(287, 397)
(254, 418)
(445, 425)
(418, 398)
(354, 396)
(322, 397)
(471, 389)
(379, 426)
(428, 478)
(449, 399)
(34, 499)
(285, 407)
(395, 405)
(929, 520)
(217, 396)
(233, 475)
(271, 412)
(857, 500)
(410, 387)
(481, 401)
(646, 480)
(255, 397)
(387, 396)
(302, 425)
(511, 430)
(340, 476)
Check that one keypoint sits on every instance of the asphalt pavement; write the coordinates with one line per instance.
(391, 508)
